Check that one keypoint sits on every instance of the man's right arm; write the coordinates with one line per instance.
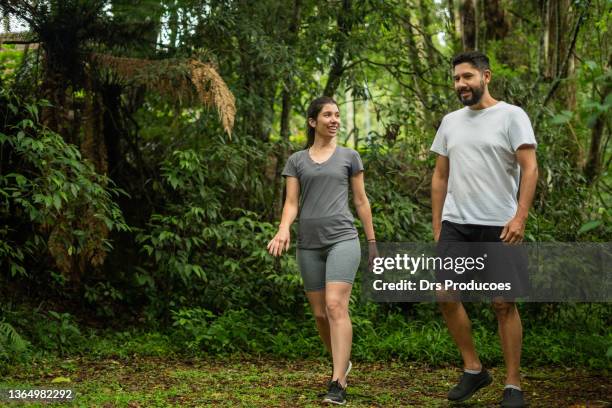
(439, 184)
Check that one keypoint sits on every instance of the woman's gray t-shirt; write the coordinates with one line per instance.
(325, 217)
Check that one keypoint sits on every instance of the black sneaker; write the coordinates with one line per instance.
(513, 398)
(346, 373)
(468, 385)
(335, 394)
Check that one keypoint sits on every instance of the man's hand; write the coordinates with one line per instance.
(513, 231)
(436, 232)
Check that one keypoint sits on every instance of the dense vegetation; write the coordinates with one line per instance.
(141, 145)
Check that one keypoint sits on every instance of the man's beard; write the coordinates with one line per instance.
(476, 94)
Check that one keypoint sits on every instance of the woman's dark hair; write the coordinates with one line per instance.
(312, 113)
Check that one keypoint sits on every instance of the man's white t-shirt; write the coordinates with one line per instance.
(484, 175)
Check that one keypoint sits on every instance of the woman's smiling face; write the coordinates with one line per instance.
(328, 121)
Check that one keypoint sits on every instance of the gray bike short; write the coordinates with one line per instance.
(334, 263)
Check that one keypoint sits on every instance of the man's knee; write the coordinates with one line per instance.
(503, 309)
(449, 307)
(320, 316)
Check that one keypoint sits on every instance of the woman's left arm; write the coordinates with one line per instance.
(362, 205)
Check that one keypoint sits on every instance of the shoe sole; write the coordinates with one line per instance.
(483, 384)
(525, 405)
(328, 401)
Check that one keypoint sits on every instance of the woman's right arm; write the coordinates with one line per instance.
(282, 239)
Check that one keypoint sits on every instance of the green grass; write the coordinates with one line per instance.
(230, 382)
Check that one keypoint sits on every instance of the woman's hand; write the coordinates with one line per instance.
(372, 253)
(280, 242)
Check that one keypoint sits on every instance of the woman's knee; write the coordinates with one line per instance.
(336, 309)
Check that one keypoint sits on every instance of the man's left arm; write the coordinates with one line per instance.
(514, 230)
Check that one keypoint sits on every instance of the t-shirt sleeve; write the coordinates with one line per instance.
(356, 163)
(520, 131)
(290, 167)
(439, 143)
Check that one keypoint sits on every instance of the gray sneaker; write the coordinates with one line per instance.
(513, 398)
(468, 385)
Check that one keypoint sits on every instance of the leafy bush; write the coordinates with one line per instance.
(380, 335)
(13, 347)
(51, 200)
(57, 333)
(207, 249)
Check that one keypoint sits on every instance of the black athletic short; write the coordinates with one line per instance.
(502, 267)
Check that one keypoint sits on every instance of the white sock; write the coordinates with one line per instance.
(516, 387)
(472, 371)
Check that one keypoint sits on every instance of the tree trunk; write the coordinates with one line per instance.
(557, 19)
(566, 58)
(93, 147)
(496, 25)
(543, 43)
(469, 26)
(420, 87)
(287, 106)
(345, 23)
(560, 63)
(593, 166)
(454, 26)
(173, 25)
(425, 21)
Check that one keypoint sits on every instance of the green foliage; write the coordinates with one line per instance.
(49, 196)
(386, 336)
(104, 296)
(208, 247)
(10, 59)
(26, 333)
(13, 347)
(378, 335)
(396, 188)
(131, 342)
(204, 207)
(59, 333)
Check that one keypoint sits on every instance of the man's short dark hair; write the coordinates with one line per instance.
(478, 60)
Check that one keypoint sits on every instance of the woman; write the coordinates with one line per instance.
(328, 250)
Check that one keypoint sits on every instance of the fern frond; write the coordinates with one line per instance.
(183, 80)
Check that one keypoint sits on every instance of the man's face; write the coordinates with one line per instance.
(470, 83)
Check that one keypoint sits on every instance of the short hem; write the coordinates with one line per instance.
(340, 280)
(477, 223)
(314, 290)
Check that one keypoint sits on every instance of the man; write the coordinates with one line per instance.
(483, 150)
